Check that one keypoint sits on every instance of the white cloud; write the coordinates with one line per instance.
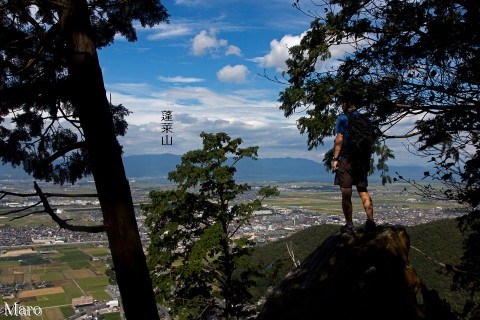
(188, 2)
(179, 79)
(274, 139)
(33, 10)
(233, 50)
(165, 31)
(236, 74)
(278, 53)
(251, 115)
(206, 42)
(130, 89)
(253, 107)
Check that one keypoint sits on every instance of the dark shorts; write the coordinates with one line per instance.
(346, 176)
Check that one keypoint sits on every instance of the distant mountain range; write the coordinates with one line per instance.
(268, 169)
(155, 168)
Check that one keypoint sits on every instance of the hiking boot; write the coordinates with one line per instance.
(347, 228)
(370, 226)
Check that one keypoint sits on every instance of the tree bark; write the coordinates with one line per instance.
(89, 99)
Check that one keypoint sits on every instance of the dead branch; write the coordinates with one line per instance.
(48, 209)
(296, 263)
(63, 223)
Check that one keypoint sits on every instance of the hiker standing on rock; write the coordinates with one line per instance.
(353, 148)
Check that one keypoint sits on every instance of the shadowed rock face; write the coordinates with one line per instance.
(360, 276)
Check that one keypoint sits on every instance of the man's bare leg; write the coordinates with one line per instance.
(347, 204)
(367, 201)
(370, 225)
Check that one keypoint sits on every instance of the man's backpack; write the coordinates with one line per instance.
(361, 138)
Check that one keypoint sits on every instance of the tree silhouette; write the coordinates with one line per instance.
(411, 62)
(56, 120)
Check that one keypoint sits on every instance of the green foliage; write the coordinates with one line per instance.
(44, 134)
(275, 263)
(434, 247)
(112, 278)
(405, 59)
(467, 272)
(198, 263)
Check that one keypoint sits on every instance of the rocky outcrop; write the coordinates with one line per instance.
(359, 276)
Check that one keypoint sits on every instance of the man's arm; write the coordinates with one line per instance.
(337, 148)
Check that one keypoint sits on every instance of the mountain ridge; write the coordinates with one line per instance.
(155, 168)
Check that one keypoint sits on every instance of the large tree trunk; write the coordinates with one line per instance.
(89, 98)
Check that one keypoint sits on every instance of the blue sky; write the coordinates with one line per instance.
(206, 67)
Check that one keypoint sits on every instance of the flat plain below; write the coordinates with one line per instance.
(66, 273)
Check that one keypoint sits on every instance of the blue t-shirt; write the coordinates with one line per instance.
(341, 126)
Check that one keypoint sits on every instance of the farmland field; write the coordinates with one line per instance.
(326, 198)
(96, 251)
(75, 258)
(40, 292)
(51, 280)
